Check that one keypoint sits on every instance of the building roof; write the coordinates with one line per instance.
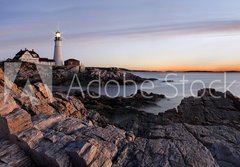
(33, 54)
(22, 52)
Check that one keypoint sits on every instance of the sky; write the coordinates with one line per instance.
(161, 35)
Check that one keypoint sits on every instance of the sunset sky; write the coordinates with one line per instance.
(134, 34)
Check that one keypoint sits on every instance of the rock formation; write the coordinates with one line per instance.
(64, 75)
(45, 129)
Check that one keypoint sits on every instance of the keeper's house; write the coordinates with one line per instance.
(32, 57)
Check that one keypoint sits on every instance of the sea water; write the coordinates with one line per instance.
(180, 85)
(187, 84)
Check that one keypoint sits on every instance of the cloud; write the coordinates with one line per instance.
(165, 30)
(156, 31)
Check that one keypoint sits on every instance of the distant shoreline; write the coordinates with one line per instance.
(169, 71)
(191, 71)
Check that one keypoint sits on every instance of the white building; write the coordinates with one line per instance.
(32, 57)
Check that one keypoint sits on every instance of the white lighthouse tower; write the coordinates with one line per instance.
(58, 49)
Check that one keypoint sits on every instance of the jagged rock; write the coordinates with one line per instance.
(42, 101)
(43, 98)
(103, 142)
(7, 84)
(6, 105)
(50, 152)
(106, 74)
(43, 93)
(90, 153)
(64, 75)
(170, 145)
(110, 134)
(69, 106)
(70, 125)
(43, 121)
(27, 139)
(82, 153)
(42, 109)
(61, 132)
(12, 155)
(52, 148)
(222, 141)
(15, 122)
(206, 92)
(98, 119)
(208, 109)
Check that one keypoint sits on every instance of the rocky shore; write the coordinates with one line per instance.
(64, 75)
(76, 131)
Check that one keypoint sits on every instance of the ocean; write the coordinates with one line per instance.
(180, 85)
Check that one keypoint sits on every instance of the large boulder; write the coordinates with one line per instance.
(70, 142)
(9, 85)
(39, 99)
(69, 106)
(169, 145)
(211, 107)
(7, 103)
(12, 155)
(96, 146)
(45, 121)
(50, 151)
(222, 141)
(14, 122)
(8, 90)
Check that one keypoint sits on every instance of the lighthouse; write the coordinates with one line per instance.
(58, 49)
